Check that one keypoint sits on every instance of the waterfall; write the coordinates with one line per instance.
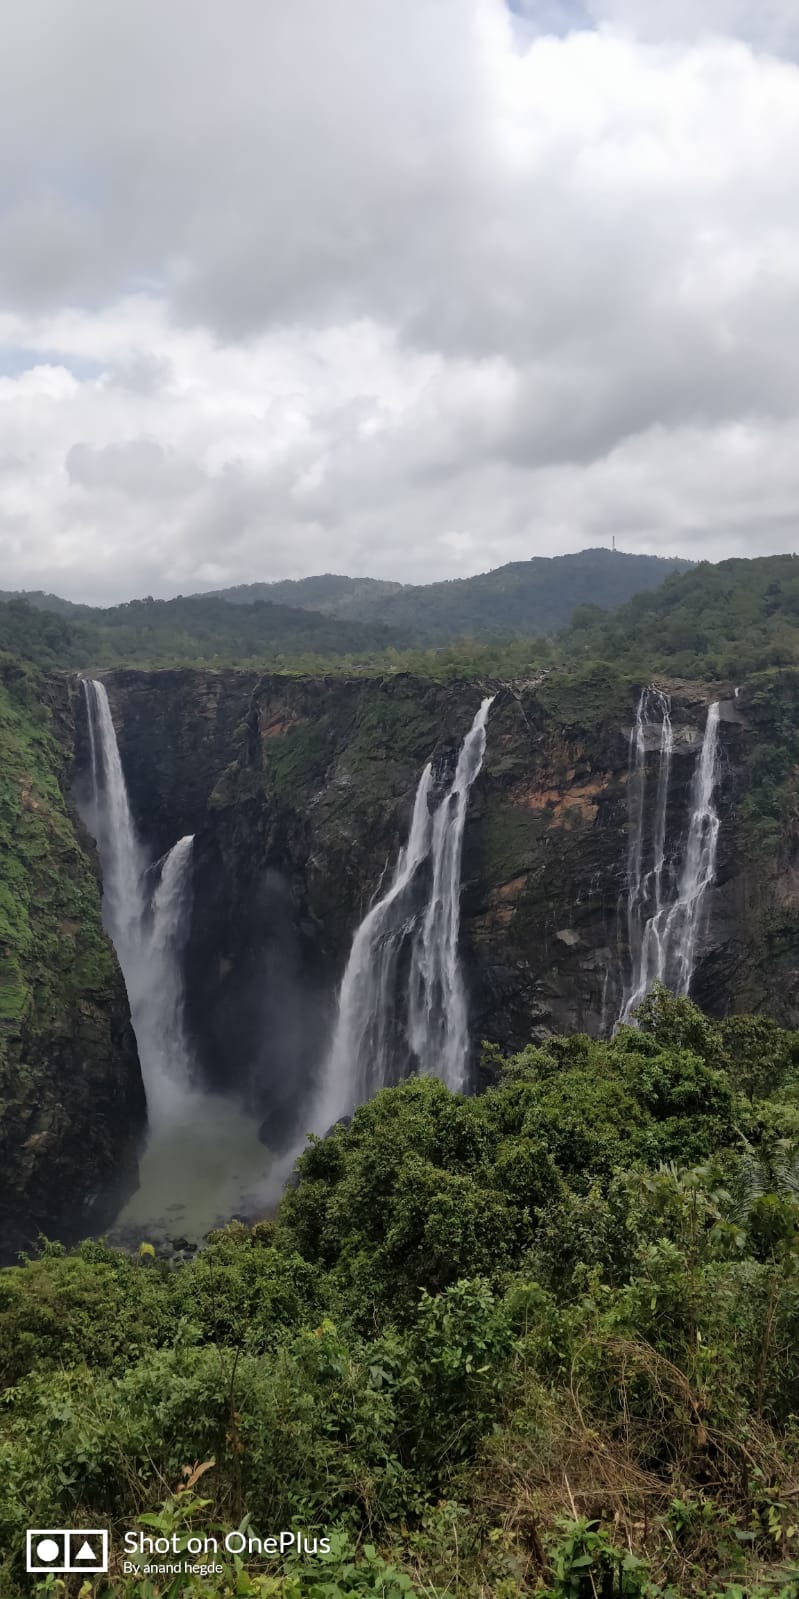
(437, 1027)
(684, 920)
(402, 1000)
(363, 1044)
(157, 992)
(148, 930)
(652, 727)
(663, 933)
(111, 823)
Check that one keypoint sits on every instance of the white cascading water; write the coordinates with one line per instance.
(361, 1054)
(111, 823)
(684, 920)
(663, 933)
(401, 938)
(652, 728)
(204, 1161)
(148, 937)
(437, 1019)
(157, 1002)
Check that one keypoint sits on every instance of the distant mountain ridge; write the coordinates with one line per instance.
(329, 614)
(329, 593)
(535, 596)
(202, 627)
(40, 601)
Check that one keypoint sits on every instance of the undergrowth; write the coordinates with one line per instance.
(543, 1341)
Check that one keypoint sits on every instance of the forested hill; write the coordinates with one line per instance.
(332, 594)
(41, 601)
(524, 597)
(202, 628)
(325, 617)
(711, 621)
(715, 621)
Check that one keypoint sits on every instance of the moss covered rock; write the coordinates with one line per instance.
(71, 1098)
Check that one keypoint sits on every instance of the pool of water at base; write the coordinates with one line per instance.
(203, 1164)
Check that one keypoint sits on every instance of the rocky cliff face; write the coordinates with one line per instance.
(546, 884)
(300, 793)
(71, 1098)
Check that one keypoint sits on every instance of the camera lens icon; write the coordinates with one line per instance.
(48, 1550)
(64, 1549)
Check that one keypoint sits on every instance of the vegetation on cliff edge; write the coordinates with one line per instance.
(52, 947)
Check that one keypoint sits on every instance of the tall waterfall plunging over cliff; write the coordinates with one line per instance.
(147, 930)
(111, 823)
(666, 901)
(203, 1160)
(402, 1002)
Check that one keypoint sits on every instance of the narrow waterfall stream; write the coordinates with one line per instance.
(666, 900)
(402, 1003)
(159, 1007)
(437, 1021)
(203, 1156)
(652, 729)
(684, 921)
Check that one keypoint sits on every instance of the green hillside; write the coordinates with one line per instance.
(328, 617)
(716, 621)
(331, 594)
(41, 601)
(70, 1092)
(202, 628)
(524, 597)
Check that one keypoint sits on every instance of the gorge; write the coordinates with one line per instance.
(594, 861)
(146, 909)
(316, 885)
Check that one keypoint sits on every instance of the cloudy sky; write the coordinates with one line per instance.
(407, 289)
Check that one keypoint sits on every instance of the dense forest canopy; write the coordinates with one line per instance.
(155, 632)
(716, 621)
(545, 1340)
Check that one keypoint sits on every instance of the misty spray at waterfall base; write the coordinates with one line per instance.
(202, 1156)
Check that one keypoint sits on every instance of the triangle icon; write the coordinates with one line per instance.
(86, 1552)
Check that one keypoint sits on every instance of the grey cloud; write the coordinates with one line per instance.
(143, 373)
(321, 163)
(140, 468)
(595, 243)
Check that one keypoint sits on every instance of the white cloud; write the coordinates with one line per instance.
(770, 26)
(406, 290)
